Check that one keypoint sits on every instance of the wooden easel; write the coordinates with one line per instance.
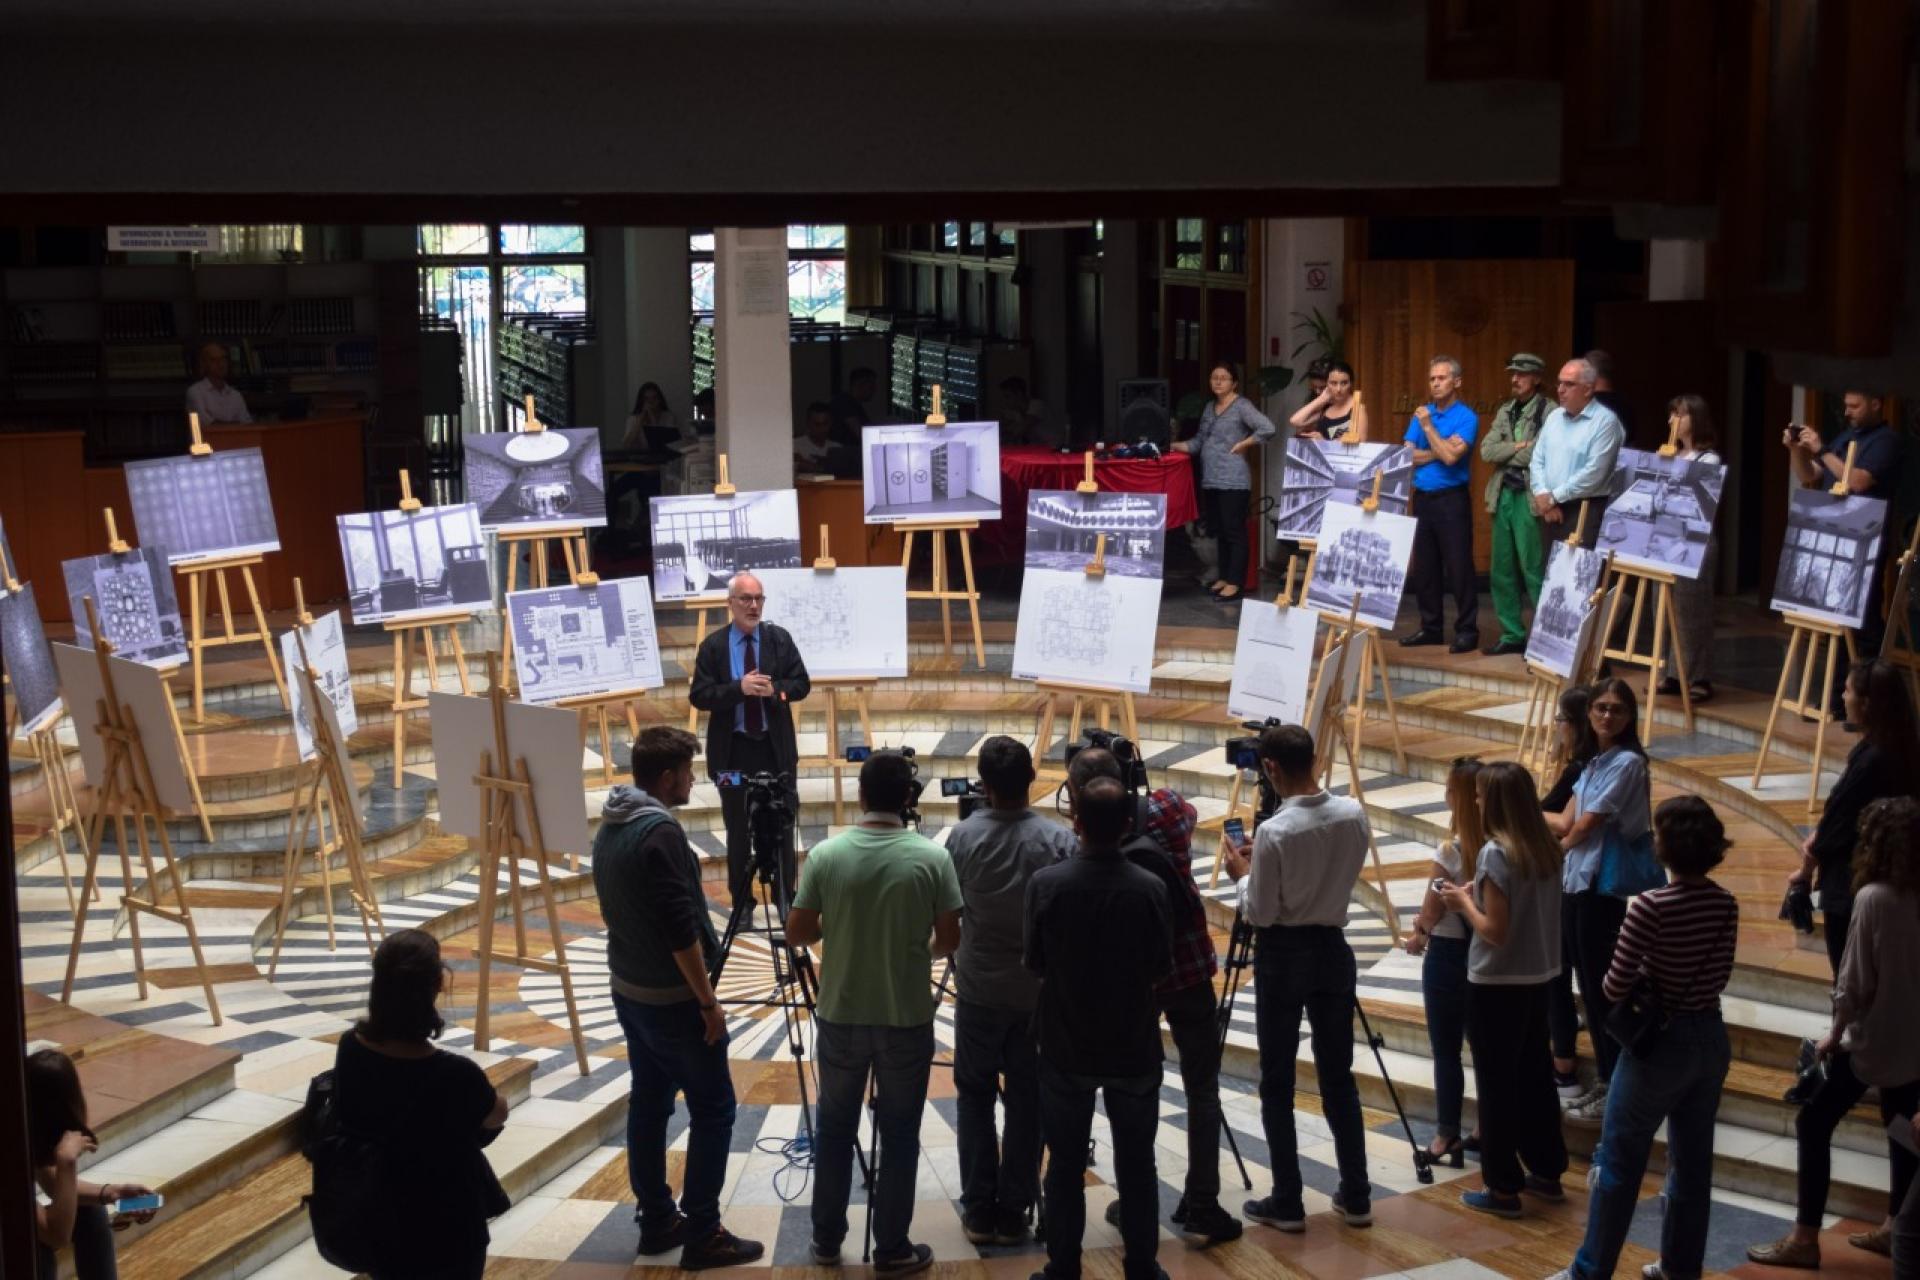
(63, 810)
(1899, 647)
(1666, 632)
(1103, 699)
(1539, 745)
(858, 693)
(596, 712)
(324, 787)
(703, 607)
(938, 588)
(504, 786)
(127, 791)
(417, 632)
(200, 600)
(1239, 803)
(1373, 658)
(1334, 725)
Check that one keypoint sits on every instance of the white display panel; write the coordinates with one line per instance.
(411, 564)
(213, 506)
(701, 540)
(847, 623)
(1086, 630)
(1562, 618)
(579, 642)
(140, 688)
(1661, 514)
(930, 474)
(1272, 662)
(546, 481)
(1323, 686)
(547, 738)
(326, 644)
(1361, 553)
(1832, 552)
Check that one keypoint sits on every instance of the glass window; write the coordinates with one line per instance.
(1189, 244)
(451, 238)
(700, 242)
(702, 285)
(555, 288)
(272, 242)
(816, 237)
(817, 289)
(522, 237)
(949, 235)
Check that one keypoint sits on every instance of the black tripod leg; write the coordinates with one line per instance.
(1239, 944)
(1422, 1158)
(872, 1167)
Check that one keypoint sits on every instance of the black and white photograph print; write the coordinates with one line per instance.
(700, 540)
(1831, 551)
(1661, 515)
(1323, 472)
(29, 660)
(1562, 615)
(215, 506)
(134, 596)
(1064, 528)
(1361, 553)
(407, 564)
(932, 473)
(536, 481)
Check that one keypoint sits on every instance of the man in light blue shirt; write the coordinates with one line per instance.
(1441, 433)
(1573, 461)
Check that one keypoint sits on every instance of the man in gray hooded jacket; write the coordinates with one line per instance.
(660, 940)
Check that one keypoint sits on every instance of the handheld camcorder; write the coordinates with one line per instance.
(1133, 769)
(970, 793)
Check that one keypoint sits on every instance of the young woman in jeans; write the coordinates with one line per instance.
(1610, 805)
(1875, 1040)
(1681, 936)
(1513, 908)
(1442, 938)
(76, 1210)
(1573, 730)
(1229, 429)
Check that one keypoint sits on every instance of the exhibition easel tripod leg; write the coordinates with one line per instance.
(200, 601)
(63, 809)
(1666, 632)
(1538, 742)
(701, 611)
(406, 635)
(1899, 646)
(596, 713)
(938, 588)
(1805, 639)
(1103, 700)
(860, 694)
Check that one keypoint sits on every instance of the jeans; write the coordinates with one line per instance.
(1678, 1082)
(1066, 1116)
(1308, 968)
(667, 1054)
(899, 1059)
(1443, 989)
(989, 1044)
(93, 1256)
(1519, 1111)
(1226, 511)
(1193, 1017)
(1443, 550)
(1592, 920)
(1822, 1114)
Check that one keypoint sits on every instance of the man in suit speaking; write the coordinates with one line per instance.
(744, 677)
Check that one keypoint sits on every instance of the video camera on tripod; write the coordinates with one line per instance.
(969, 793)
(770, 822)
(1244, 754)
(1133, 770)
(910, 811)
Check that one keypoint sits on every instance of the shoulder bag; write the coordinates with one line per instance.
(1639, 1020)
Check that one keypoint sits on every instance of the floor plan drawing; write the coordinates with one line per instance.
(573, 642)
(1073, 627)
(848, 623)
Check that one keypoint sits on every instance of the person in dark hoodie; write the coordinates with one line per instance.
(660, 941)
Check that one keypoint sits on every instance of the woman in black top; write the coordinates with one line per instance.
(435, 1110)
(77, 1211)
(1883, 764)
(1578, 744)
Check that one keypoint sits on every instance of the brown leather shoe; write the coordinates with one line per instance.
(1787, 1252)
(1879, 1240)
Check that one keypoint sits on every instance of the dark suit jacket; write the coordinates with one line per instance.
(717, 693)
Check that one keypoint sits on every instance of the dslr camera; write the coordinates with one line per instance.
(1133, 769)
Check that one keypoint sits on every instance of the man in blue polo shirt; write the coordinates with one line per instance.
(1441, 433)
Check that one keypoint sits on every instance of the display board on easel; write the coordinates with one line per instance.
(1337, 683)
(1363, 552)
(510, 778)
(34, 709)
(591, 649)
(939, 479)
(1900, 646)
(135, 764)
(1563, 646)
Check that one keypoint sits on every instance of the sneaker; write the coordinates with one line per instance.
(1561, 1275)
(1270, 1212)
(1568, 1086)
(1010, 1226)
(1494, 1203)
(721, 1248)
(1547, 1189)
(825, 1255)
(1360, 1215)
(917, 1258)
(980, 1227)
(1590, 1110)
(1654, 1271)
(1879, 1240)
(671, 1235)
(1787, 1252)
(1209, 1225)
(1568, 1101)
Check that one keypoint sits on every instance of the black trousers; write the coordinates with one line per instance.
(1591, 921)
(1519, 1111)
(1552, 533)
(749, 755)
(1226, 511)
(1837, 920)
(1066, 1118)
(1193, 1017)
(1443, 554)
(996, 1175)
(1813, 1129)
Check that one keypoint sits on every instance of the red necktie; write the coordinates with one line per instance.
(756, 715)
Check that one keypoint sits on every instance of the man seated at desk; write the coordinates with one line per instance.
(816, 452)
(211, 397)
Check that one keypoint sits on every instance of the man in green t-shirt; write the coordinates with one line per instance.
(886, 903)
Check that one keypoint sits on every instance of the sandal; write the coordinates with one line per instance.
(1787, 1252)
(1700, 691)
(1879, 1240)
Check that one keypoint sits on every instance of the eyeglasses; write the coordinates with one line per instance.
(1609, 709)
(749, 599)
(1571, 382)
(1560, 719)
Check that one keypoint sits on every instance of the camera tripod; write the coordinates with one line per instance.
(1239, 959)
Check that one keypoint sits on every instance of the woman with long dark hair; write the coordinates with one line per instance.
(433, 1110)
(650, 418)
(1885, 762)
(1229, 429)
(1694, 441)
(1441, 936)
(1336, 413)
(1875, 1039)
(77, 1212)
(1611, 806)
(1513, 908)
(1576, 746)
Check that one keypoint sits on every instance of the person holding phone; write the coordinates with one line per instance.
(1440, 935)
(77, 1213)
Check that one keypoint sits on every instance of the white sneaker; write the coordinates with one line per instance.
(1569, 1087)
(1590, 1110)
(1568, 1101)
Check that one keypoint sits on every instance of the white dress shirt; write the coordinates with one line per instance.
(225, 404)
(1306, 859)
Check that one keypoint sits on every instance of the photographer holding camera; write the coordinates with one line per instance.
(886, 901)
(1159, 842)
(995, 853)
(745, 676)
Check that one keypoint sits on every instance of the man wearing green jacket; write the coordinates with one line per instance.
(1517, 557)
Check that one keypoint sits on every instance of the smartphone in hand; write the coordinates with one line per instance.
(1236, 832)
(136, 1204)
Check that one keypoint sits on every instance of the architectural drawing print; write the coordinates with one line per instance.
(572, 642)
(1076, 628)
(204, 508)
(133, 594)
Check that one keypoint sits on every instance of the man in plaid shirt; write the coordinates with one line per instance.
(1162, 844)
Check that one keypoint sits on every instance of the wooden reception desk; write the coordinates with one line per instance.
(841, 506)
(50, 502)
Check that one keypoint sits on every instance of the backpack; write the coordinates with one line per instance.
(348, 1208)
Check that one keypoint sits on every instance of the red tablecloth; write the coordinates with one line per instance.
(1025, 468)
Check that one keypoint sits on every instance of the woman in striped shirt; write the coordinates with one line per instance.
(1680, 936)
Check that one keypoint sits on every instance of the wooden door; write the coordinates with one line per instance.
(1478, 311)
